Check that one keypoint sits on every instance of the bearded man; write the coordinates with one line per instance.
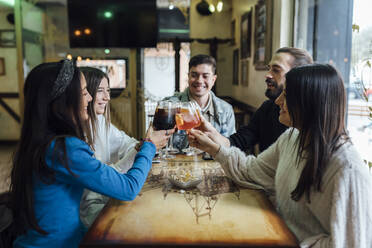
(264, 127)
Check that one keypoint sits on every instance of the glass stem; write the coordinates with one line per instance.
(166, 149)
(170, 142)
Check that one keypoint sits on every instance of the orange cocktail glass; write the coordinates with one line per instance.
(188, 116)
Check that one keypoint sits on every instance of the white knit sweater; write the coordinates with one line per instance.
(339, 216)
(112, 147)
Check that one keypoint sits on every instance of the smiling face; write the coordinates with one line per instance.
(102, 97)
(86, 98)
(201, 80)
(284, 116)
(279, 65)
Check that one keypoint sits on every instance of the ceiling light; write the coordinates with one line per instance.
(211, 8)
(77, 32)
(87, 31)
(108, 14)
(219, 6)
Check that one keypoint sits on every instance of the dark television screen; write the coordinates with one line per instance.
(112, 23)
(172, 24)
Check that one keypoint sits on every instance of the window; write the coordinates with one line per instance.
(344, 39)
(116, 69)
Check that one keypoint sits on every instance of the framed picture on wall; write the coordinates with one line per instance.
(7, 38)
(245, 34)
(245, 72)
(263, 33)
(2, 66)
(235, 67)
(232, 33)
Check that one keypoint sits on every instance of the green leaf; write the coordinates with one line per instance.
(368, 63)
(355, 27)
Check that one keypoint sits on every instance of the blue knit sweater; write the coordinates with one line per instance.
(57, 204)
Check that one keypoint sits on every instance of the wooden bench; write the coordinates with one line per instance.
(243, 111)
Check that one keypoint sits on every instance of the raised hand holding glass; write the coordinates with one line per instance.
(164, 119)
(187, 117)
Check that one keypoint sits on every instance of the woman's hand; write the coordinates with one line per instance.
(159, 138)
(207, 128)
(201, 141)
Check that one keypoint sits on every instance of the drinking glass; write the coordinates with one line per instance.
(187, 117)
(164, 119)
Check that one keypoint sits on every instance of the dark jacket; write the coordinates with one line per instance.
(263, 129)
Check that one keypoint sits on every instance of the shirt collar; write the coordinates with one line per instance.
(207, 107)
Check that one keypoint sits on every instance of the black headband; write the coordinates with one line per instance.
(64, 78)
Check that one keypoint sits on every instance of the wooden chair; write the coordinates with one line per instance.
(7, 229)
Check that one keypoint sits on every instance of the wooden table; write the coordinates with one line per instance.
(215, 213)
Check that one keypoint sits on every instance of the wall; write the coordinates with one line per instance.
(215, 25)
(254, 93)
(32, 25)
(9, 128)
(8, 81)
(218, 25)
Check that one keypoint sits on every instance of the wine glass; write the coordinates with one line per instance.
(187, 117)
(164, 119)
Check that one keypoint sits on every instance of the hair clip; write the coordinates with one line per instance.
(64, 78)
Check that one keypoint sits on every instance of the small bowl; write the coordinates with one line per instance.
(185, 178)
(185, 185)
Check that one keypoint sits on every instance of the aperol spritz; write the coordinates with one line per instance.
(188, 116)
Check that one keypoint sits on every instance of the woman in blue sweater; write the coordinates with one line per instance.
(54, 161)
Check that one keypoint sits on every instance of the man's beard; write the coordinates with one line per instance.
(272, 94)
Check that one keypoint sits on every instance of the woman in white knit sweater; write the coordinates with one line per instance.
(321, 187)
(111, 146)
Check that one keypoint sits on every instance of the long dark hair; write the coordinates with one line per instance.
(94, 76)
(316, 101)
(45, 120)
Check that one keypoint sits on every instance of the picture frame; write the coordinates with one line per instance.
(245, 72)
(263, 33)
(232, 43)
(235, 67)
(246, 34)
(2, 66)
(7, 38)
